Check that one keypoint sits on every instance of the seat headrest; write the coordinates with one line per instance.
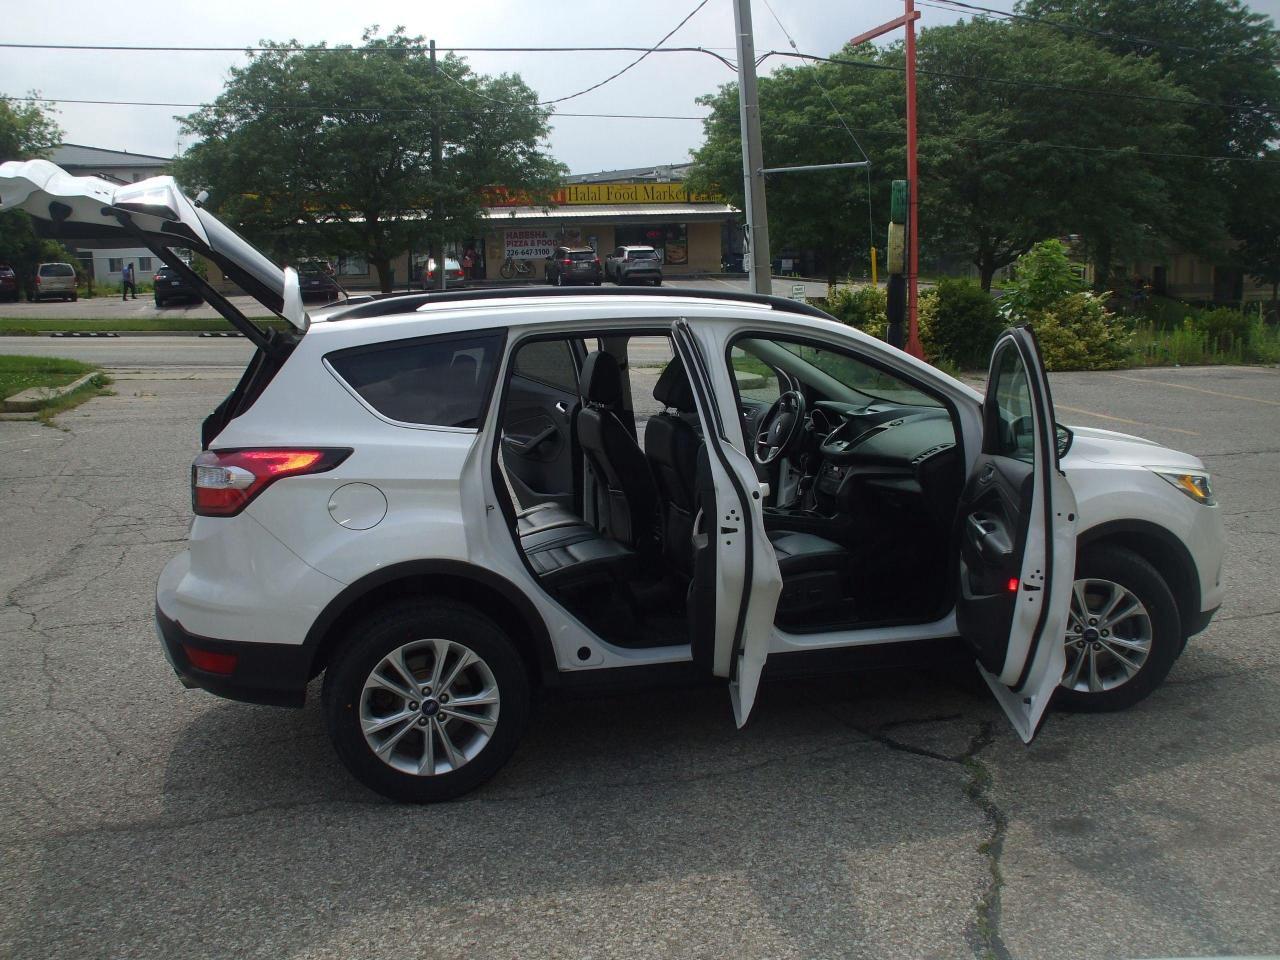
(601, 379)
(673, 388)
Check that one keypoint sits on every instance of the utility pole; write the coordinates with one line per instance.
(437, 204)
(914, 346)
(752, 152)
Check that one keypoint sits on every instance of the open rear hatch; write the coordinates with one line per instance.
(157, 215)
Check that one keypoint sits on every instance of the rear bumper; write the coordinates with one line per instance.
(269, 673)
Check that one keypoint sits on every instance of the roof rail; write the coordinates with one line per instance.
(407, 302)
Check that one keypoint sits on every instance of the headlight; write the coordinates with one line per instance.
(1194, 484)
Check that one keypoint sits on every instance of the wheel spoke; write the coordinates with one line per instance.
(1073, 675)
(1137, 646)
(1119, 612)
(393, 686)
(379, 724)
(1118, 593)
(1095, 681)
(455, 758)
(396, 660)
(441, 648)
(475, 719)
(1130, 668)
(465, 659)
(384, 749)
(427, 763)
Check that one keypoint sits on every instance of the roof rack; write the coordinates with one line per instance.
(388, 304)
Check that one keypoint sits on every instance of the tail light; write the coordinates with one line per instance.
(223, 482)
(567, 262)
(596, 260)
(37, 279)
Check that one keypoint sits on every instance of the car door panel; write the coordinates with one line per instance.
(538, 452)
(1016, 524)
(741, 582)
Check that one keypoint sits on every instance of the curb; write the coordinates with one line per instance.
(32, 400)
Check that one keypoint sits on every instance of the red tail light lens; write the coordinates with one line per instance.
(209, 661)
(567, 262)
(223, 482)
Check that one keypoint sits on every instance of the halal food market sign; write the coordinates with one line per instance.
(579, 193)
(528, 244)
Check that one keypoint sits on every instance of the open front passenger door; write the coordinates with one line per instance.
(1017, 530)
(736, 577)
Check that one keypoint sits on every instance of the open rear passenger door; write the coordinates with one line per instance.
(1017, 531)
(736, 577)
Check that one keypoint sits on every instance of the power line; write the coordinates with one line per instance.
(1028, 84)
(311, 48)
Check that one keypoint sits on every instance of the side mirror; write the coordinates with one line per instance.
(1064, 439)
(292, 309)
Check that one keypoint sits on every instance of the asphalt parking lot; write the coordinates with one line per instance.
(878, 816)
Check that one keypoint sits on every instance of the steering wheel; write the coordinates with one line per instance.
(779, 428)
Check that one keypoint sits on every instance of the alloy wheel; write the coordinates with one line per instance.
(1108, 636)
(429, 707)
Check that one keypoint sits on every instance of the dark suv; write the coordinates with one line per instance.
(574, 265)
(8, 283)
(170, 286)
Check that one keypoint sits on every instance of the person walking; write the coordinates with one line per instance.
(127, 284)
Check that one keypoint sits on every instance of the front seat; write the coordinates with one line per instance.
(671, 444)
(628, 500)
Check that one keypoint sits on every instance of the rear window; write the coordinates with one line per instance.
(434, 381)
(644, 255)
(57, 270)
(581, 255)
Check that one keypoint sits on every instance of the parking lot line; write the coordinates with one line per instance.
(1184, 386)
(1136, 423)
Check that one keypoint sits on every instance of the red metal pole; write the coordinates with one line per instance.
(913, 191)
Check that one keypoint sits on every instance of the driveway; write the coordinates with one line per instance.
(886, 815)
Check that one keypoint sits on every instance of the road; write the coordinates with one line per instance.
(882, 816)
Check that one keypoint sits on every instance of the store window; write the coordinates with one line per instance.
(671, 240)
(115, 264)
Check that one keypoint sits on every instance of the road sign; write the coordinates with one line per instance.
(798, 292)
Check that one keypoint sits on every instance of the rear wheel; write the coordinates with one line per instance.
(658, 282)
(426, 701)
(1124, 632)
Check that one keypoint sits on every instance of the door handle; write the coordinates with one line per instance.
(988, 539)
(526, 447)
(562, 408)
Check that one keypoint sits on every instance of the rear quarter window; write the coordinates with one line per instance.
(431, 381)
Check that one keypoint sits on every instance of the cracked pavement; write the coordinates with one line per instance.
(882, 815)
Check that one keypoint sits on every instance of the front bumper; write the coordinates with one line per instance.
(270, 673)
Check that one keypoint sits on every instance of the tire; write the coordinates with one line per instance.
(597, 282)
(159, 303)
(423, 623)
(75, 297)
(658, 282)
(506, 271)
(1155, 623)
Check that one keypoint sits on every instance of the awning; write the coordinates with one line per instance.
(610, 213)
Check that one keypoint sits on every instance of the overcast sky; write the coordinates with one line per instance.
(665, 84)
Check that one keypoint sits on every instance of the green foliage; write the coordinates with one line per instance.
(23, 373)
(27, 128)
(861, 307)
(327, 149)
(960, 325)
(1044, 277)
(1193, 342)
(1080, 333)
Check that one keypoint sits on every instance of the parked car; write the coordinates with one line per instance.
(634, 265)
(315, 277)
(573, 265)
(170, 286)
(454, 276)
(8, 283)
(55, 280)
(440, 501)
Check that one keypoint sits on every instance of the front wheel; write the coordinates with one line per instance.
(1124, 632)
(426, 701)
(507, 271)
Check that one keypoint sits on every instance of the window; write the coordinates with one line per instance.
(550, 362)
(861, 380)
(1014, 428)
(115, 264)
(353, 267)
(57, 270)
(756, 379)
(435, 381)
(144, 263)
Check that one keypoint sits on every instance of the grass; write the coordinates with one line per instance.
(24, 327)
(1187, 344)
(23, 373)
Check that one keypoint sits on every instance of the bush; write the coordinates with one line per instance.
(1225, 328)
(1080, 333)
(1043, 278)
(861, 307)
(959, 324)
(1198, 340)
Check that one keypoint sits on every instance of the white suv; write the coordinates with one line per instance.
(442, 501)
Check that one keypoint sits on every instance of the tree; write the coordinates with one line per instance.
(1256, 226)
(1002, 165)
(330, 148)
(28, 131)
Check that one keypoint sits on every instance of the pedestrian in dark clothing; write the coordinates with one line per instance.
(127, 284)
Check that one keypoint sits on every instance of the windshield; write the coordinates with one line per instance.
(834, 374)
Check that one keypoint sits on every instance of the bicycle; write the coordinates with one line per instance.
(515, 268)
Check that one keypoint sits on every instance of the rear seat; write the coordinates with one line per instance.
(575, 554)
(544, 516)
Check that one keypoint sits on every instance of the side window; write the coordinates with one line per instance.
(1014, 424)
(550, 362)
(435, 381)
(756, 379)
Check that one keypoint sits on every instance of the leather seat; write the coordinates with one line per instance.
(569, 556)
(671, 444)
(815, 573)
(629, 497)
(544, 516)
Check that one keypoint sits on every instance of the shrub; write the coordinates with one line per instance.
(1080, 333)
(962, 324)
(1044, 277)
(1224, 327)
(861, 307)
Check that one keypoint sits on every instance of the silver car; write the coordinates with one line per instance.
(56, 280)
(634, 265)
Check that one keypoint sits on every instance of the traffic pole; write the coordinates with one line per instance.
(752, 153)
(913, 193)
